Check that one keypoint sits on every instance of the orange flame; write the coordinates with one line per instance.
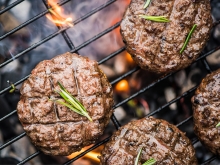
(55, 15)
(92, 155)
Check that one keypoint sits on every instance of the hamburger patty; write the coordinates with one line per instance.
(156, 46)
(54, 128)
(206, 114)
(159, 140)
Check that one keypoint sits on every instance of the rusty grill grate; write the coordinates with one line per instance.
(75, 50)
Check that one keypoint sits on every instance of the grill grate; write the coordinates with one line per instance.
(75, 49)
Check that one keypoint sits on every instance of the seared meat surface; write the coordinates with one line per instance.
(159, 140)
(53, 128)
(156, 46)
(206, 111)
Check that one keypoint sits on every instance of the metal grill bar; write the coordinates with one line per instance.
(194, 141)
(209, 160)
(10, 6)
(73, 49)
(141, 91)
(107, 58)
(8, 115)
(64, 34)
(184, 121)
(131, 97)
(30, 21)
(32, 47)
(16, 83)
(106, 140)
(88, 150)
(125, 75)
(96, 37)
(113, 82)
(111, 55)
(100, 62)
(47, 11)
(12, 141)
(116, 123)
(54, 35)
(172, 101)
(29, 157)
(207, 65)
(115, 120)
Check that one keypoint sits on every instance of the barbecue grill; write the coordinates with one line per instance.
(186, 122)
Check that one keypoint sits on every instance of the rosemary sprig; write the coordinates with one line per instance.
(13, 89)
(162, 19)
(151, 161)
(147, 4)
(138, 157)
(188, 38)
(218, 125)
(71, 102)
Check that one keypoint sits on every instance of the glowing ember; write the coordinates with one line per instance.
(92, 155)
(122, 86)
(129, 58)
(55, 15)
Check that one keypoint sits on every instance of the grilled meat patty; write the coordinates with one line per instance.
(159, 140)
(206, 114)
(54, 128)
(156, 46)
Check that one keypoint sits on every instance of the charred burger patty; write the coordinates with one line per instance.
(158, 139)
(206, 114)
(156, 46)
(54, 128)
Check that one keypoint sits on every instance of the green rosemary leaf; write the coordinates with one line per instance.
(67, 93)
(87, 115)
(71, 102)
(69, 99)
(162, 19)
(12, 90)
(79, 104)
(218, 125)
(188, 38)
(61, 86)
(69, 106)
(138, 156)
(152, 17)
(151, 161)
(147, 4)
(12, 87)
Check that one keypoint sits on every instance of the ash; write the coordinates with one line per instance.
(138, 107)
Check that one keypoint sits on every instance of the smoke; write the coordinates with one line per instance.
(94, 25)
(42, 28)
